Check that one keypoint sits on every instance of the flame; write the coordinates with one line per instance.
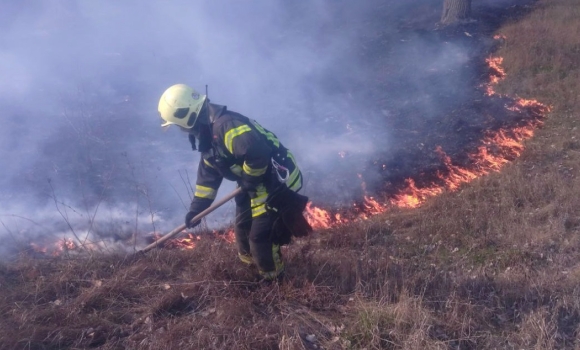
(507, 145)
(497, 73)
(318, 218)
(412, 196)
(228, 237)
(187, 242)
(498, 148)
(372, 206)
(190, 240)
(55, 248)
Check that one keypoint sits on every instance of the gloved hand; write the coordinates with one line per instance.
(190, 215)
(198, 205)
(249, 183)
(247, 186)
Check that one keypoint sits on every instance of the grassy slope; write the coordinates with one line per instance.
(495, 265)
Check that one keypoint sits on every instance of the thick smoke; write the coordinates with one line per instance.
(81, 142)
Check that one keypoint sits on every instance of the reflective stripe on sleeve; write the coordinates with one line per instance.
(232, 133)
(295, 180)
(270, 136)
(205, 192)
(254, 172)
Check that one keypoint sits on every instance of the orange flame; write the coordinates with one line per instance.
(229, 236)
(498, 148)
(497, 73)
(190, 240)
(56, 248)
(318, 218)
(187, 242)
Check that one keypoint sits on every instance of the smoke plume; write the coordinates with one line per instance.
(345, 85)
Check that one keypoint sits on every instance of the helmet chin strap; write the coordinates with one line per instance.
(203, 117)
(204, 137)
(192, 141)
(201, 132)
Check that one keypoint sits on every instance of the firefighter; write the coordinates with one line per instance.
(234, 147)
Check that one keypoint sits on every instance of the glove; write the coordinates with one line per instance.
(197, 206)
(190, 215)
(249, 184)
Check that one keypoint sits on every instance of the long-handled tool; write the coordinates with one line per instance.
(199, 216)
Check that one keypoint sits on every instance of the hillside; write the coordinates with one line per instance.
(493, 265)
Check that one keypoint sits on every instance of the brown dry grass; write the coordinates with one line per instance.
(493, 266)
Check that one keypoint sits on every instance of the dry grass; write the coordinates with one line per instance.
(495, 265)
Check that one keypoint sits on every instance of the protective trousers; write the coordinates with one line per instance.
(254, 239)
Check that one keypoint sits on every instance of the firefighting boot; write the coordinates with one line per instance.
(271, 268)
(278, 275)
(243, 244)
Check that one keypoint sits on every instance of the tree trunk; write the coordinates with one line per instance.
(455, 10)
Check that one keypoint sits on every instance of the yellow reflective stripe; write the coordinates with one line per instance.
(295, 180)
(293, 176)
(268, 134)
(261, 196)
(207, 163)
(278, 263)
(277, 258)
(254, 172)
(246, 259)
(259, 210)
(205, 192)
(259, 203)
(236, 170)
(230, 134)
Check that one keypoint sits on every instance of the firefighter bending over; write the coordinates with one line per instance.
(234, 147)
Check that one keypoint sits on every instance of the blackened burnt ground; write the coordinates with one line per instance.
(422, 86)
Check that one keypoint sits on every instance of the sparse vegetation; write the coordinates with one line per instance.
(495, 265)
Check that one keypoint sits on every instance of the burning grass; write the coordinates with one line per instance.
(494, 264)
(498, 148)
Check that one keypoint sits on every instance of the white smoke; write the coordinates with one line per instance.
(81, 80)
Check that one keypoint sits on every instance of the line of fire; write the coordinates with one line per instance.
(497, 147)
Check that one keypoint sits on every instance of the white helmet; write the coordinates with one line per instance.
(180, 105)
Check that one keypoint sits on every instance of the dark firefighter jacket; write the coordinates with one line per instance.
(242, 150)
